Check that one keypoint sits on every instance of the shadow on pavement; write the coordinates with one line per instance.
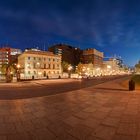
(118, 89)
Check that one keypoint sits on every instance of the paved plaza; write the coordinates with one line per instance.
(103, 112)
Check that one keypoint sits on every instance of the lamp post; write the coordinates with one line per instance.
(109, 69)
(69, 71)
(18, 72)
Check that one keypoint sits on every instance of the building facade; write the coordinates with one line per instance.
(39, 64)
(8, 55)
(113, 66)
(71, 55)
(93, 56)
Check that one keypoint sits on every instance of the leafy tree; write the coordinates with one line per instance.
(79, 68)
(8, 70)
(137, 67)
(65, 66)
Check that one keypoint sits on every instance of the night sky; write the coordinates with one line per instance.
(111, 26)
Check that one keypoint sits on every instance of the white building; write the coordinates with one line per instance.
(111, 67)
(39, 64)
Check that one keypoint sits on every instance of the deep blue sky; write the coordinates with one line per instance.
(112, 26)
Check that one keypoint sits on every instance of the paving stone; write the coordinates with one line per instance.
(86, 114)
(80, 132)
(127, 129)
(123, 137)
(92, 123)
(19, 136)
(43, 134)
(2, 137)
(66, 136)
(104, 132)
(73, 121)
(108, 121)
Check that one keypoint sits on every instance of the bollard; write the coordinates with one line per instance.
(131, 85)
(47, 77)
(33, 77)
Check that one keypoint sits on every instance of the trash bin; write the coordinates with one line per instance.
(131, 85)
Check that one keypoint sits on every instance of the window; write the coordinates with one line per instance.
(53, 66)
(53, 59)
(28, 58)
(49, 59)
(34, 58)
(34, 65)
(44, 66)
(49, 66)
(28, 65)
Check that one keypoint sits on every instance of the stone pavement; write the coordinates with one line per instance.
(104, 112)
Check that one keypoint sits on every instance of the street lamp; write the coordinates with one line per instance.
(108, 66)
(109, 69)
(18, 72)
(69, 71)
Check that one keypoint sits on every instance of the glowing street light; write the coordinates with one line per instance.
(69, 68)
(18, 72)
(108, 66)
(18, 66)
(69, 71)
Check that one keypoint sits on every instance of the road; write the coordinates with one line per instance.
(39, 88)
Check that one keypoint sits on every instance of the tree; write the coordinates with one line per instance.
(137, 67)
(65, 66)
(8, 70)
(79, 68)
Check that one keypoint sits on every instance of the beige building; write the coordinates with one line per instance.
(39, 64)
(111, 66)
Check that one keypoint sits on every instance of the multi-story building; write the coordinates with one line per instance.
(39, 63)
(71, 55)
(8, 55)
(113, 65)
(93, 56)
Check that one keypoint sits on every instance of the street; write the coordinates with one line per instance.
(38, 88)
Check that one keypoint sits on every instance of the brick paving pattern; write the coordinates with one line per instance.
(94, 113)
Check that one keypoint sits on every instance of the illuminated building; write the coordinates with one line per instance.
(8, 55)
(39, 63)
(93, 56)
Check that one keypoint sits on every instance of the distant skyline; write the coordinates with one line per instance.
(111, 26)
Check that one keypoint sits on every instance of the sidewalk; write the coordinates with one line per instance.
(103, 112)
